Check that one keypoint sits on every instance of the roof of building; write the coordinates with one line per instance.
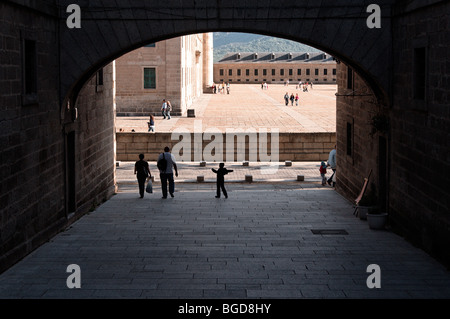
(274, 57)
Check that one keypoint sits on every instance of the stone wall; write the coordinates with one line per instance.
(357, 148)
(31, 138)
(292, 146)
(410, 159)
(420, 170)
(94, 142)
(33, 178)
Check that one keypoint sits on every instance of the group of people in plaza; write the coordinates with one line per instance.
(166, 173)
(220, 89)
(166, 108)
(167, 165)
(291, 98)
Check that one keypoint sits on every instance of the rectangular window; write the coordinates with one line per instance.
(349, 78)
(281, 71)
(316, 72)
(239, 72)
(247, 72)
(230, 72)
(265, 72)
(256, 72)
(299, 71)
(420, 73)
(334, 71)
(349, 139)
(273, 71)
(221, 72)
(325, 71)
(290, 71)
(149, 78)
(307, 72)
(30, 67)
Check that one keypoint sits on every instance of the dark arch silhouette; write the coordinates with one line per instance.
(338, 28)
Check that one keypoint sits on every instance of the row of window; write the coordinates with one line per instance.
(264, 72)
(275, 80)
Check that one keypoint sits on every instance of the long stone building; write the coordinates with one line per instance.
(177, 69)
(276, 68)
(57, 104)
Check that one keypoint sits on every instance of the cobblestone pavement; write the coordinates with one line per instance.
(258, 243)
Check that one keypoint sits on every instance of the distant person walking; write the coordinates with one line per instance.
(166, 171)
(296, 99)
(292, 98)
(142, 171)
(286, 99)
(151, 123)
(323, 172)
(228, 88)
(168, 109)
(221, 172)
(164, 108)
(332, 163)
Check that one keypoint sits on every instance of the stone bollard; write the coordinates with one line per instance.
(203, 163)
(191, 113)
(288, 163)
(200, 179)
(300, 178)
(245, 163)
(249, 178)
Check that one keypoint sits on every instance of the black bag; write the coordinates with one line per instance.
(162, 164)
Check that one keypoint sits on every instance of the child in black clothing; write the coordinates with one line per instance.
(221, 172)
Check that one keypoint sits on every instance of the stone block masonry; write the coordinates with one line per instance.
(130, 145)
(32, 149)
(34, 188)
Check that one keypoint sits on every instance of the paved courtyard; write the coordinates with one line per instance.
(248, 106)
(258, 243)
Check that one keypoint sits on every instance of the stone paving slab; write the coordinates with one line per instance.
(257, 243)
(250, 107)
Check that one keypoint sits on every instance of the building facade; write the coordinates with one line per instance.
(177, 70)
(276, 68)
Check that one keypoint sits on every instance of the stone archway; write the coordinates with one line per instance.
(108, 32)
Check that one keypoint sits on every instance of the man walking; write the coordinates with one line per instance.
(164, 108)
(332, 164)
(166, 164)
(168, 109)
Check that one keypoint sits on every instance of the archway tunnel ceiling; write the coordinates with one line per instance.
(110, 29)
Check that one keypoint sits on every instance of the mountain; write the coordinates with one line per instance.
(228, 42)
